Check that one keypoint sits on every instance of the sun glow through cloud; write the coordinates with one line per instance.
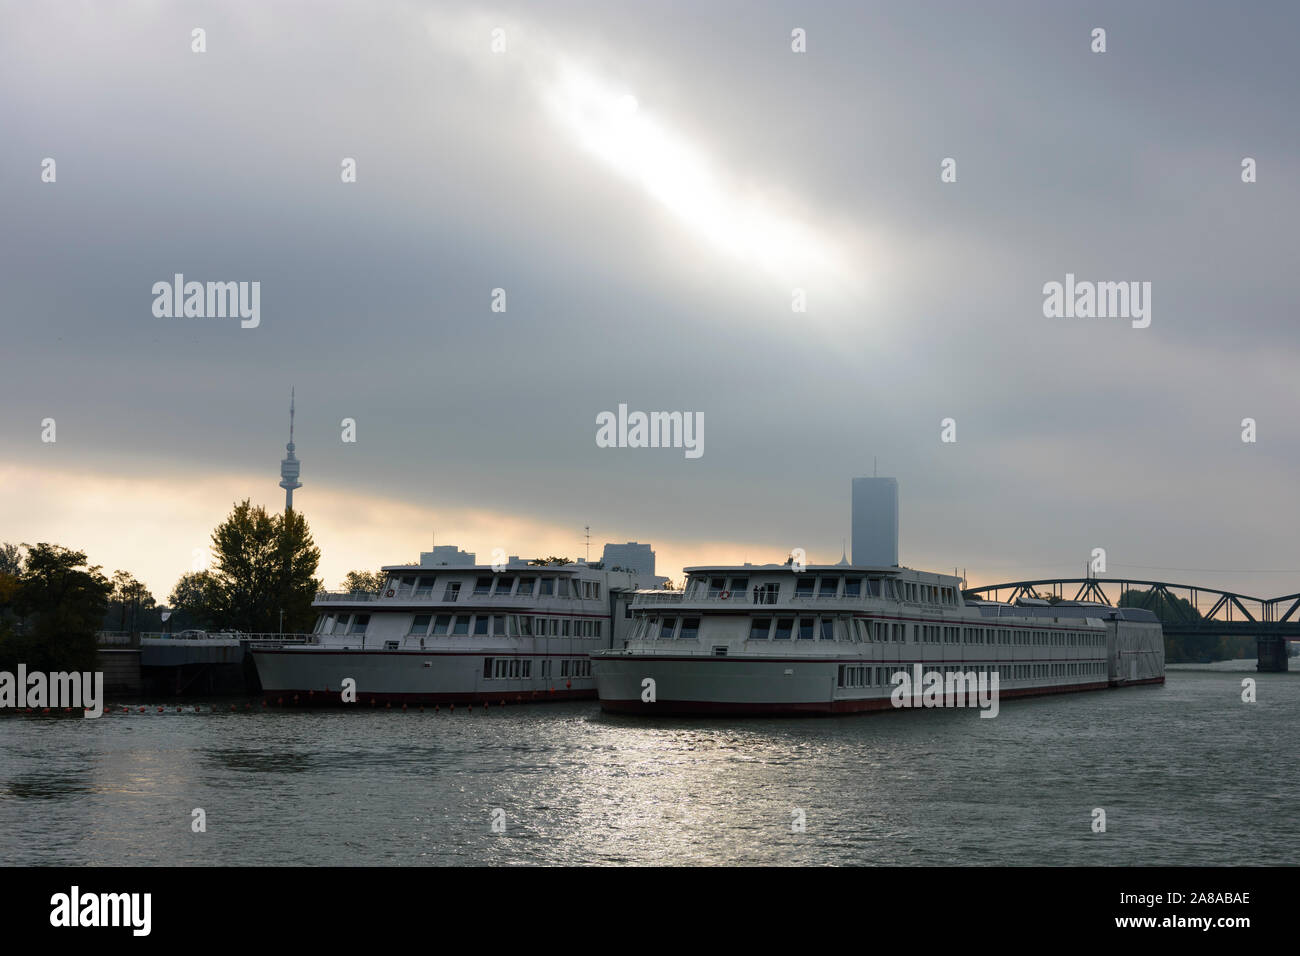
(608, 123)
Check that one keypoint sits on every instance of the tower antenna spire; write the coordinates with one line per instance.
(290, 465)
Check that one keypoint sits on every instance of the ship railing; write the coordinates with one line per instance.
(240, 636)
(347, 595)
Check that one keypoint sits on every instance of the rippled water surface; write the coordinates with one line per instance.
(1186, 773)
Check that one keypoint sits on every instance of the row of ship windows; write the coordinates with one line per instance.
(478, 625)
(832, 629)
(945, 634)
(829, 586)
(496, 585)
(516, 668)
(861, 675)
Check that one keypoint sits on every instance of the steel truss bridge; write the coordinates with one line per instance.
(1273, 622)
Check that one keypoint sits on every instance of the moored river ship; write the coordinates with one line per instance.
(827, 639)
(447, 634)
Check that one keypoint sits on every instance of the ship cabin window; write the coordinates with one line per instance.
(690, 629)
(548, 587)
(526, 626)
(525, 586)
(481, 625)
(564, 588)
(505, 584)
(828, 629)
(441, 624)
(767, 593)
(460, 624)
(323, 624)
(452, 591)
(341, 625)
(803, 587)
(666, 628)
(483, 585)
(806, 628)
(359, 623)
(829, 587)
(595, 590)
(600, 628)
(717, 586)
(424, 586)
(564, 628)
(421, 624)
(852, 587)
(759, 627)
(784, 626)
(498, 625)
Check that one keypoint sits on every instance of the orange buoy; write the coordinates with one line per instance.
(295, 698)
(142, 710)
(568, 683)
(403, 707)
(435, 708)
(453, 708)
(160, 710)
(372, 702)
(46, 710)
(126, 710)
(279, 700)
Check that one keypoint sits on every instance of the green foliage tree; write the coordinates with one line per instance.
(265, 564)
(552, 560)
(128, 598)
(196, 598)
(59, 602)
(364, 581)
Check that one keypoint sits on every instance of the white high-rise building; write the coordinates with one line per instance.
(630, 557)
(875, 522)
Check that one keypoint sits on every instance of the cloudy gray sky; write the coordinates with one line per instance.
(649, 183)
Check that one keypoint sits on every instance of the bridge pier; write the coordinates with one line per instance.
(1274, 656)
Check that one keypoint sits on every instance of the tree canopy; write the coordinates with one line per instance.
(264, 564)
(56, 603)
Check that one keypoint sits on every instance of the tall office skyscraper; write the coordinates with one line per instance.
(875, 522)
(631, 557)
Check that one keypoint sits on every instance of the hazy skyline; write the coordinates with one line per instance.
(649, 186)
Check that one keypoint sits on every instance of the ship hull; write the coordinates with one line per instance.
(313, 676)
(736, 686)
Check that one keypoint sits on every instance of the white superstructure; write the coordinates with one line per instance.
(831, 638)
(450, 633)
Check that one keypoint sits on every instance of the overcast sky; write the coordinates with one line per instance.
(649, 183)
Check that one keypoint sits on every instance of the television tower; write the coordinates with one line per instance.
(289, 466)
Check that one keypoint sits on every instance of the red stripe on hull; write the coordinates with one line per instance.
(302, 698)
(688, 707)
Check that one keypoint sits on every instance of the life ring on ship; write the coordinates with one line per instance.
(389, 593)
(724, 595)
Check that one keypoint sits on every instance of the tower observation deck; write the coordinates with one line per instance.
(290, 465)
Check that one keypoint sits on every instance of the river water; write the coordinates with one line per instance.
(1186, 773)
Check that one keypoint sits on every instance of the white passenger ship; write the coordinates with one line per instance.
(446, 634)
(829, 639)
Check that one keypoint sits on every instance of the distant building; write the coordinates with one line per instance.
(446, 554)
(875, 522)
(631, 557)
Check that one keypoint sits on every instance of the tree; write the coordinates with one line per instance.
(370, 581)
(197, 595)
(552, 560)
(60, 601)
(128, 598)
(265, 564)
(11, 560)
